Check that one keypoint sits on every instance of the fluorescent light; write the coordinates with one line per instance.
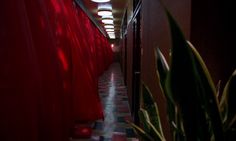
(112, 37)
(109, 26)
(110, 17)
(104, 12)
(107, 21)
(105, 6)
(100, 1)
(105, 9)
(111, 32)
(109, 29)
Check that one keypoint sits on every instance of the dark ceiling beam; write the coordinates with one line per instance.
(81, 4)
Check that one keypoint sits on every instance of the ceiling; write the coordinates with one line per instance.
(118, 9)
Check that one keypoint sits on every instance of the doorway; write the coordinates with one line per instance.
(136, 67)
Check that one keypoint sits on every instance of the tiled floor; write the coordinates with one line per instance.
(113, 95)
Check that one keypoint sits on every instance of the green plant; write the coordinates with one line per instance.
(150, 120)
(194, 109)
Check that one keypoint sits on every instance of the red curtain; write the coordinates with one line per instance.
(51, 56)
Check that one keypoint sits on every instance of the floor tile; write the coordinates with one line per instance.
(113, 94)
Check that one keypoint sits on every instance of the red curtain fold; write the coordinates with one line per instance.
(84, 81)
(51, 56)
(19, 75)
(46, 24)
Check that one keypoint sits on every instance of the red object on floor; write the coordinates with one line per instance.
(119, 137)
(82, 131)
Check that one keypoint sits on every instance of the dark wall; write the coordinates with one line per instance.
(127, 49)
(212, 33)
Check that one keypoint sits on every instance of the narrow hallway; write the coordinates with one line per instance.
(113, 95)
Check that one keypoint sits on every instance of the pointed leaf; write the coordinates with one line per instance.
(151, 107)
(224, 104)
(188, 94)
(140, 132)
(208, 94)
(155, 133)
(179, 134)
(232, 122)
(218, 89)
(162, 71)
(228, 99)
(144, 119)
(162, 66)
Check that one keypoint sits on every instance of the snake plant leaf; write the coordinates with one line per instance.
(148, 127)
(162, 66)
(144, 119)
(189, 92)
(151, 107)
(218, 87)
(179, 134)
(162, 71)
(140, 132)
(232, 122)
(224, 103)
(155, 133)
(209, 94)
(228, 99)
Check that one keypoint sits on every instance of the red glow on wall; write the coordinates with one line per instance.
(65, 85)
(56, 6)
(59, 30)
(63, 59)
(42, 22)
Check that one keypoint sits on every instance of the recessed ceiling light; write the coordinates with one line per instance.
(105, 9)
(100, 1)
(105, 6)
(104, 12)
(110, 16)
(112, 37)
(111, 32)
(109, 26)
(107, 21)
(110, 29)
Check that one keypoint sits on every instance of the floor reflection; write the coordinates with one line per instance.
(113, 95)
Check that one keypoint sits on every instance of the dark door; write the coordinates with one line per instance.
(136, 67)
(125, 60)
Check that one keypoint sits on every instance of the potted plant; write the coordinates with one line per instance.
(195, 111)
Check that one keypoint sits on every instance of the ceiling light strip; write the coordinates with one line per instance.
(100, 1)
(108, 26)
